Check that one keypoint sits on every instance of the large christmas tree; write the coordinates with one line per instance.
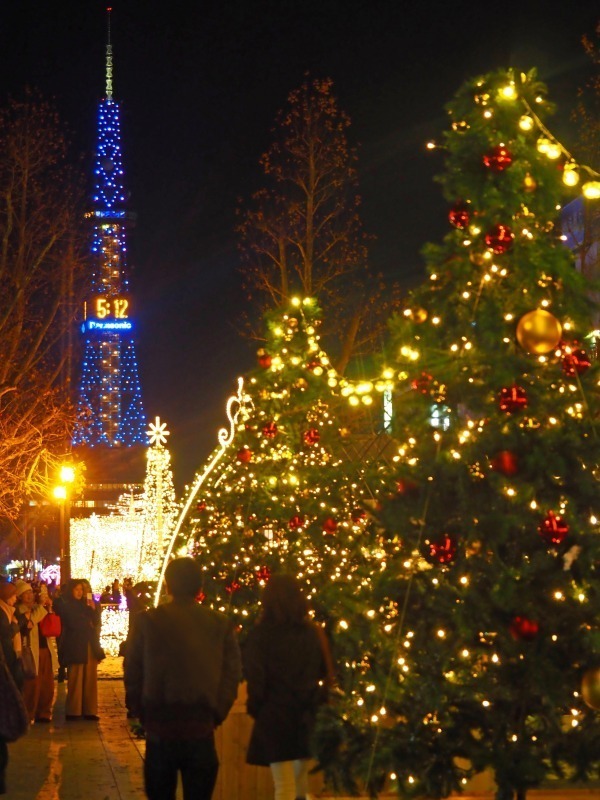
(289, 494)
(486, 635)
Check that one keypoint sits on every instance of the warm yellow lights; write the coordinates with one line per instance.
(508, 92)
(591, 190)
(570, 175)
(60, 492)
(409, 353)
(67, 474)
(553, 151)
(526, 123)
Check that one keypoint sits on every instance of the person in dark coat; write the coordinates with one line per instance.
(79, 652)
(288, 668)
(182, 670)
(9, 631)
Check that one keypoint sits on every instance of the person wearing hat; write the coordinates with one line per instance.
(38, 692)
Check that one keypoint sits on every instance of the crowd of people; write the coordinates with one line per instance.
(49, 633)
(182, 668)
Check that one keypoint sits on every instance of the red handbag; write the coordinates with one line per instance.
(50, 625)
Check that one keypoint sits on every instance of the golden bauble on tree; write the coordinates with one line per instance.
(538, 331)
(590, 688)
(479, 258)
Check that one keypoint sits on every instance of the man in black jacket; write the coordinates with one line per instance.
(182, 670)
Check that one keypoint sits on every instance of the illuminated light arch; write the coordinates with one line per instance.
(225, 437)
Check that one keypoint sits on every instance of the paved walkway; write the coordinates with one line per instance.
(80, 760)
(103, 761)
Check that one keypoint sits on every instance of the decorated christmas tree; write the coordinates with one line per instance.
(486, 641)
(286, 495)
(158, 502)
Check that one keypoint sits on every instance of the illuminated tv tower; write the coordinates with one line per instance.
(110, 411)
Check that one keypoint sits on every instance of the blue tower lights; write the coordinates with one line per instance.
(110, 409)
(110, 190)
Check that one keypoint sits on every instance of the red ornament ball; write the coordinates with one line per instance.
(244, 455)
(505, 462)
(311, 436)
(498, 158)
(297, 521)
(263, 574)
(233, 587)
(264, 359)
(200, 597)
(270, 430)
(444, 550)
(523, 628)
(499, 238)
(358, 514)
(405, 486)
(201, 505)
(459, 216)
(575, 362)
(330, 525)
(553, 529)
(511, 399)
(422, 384)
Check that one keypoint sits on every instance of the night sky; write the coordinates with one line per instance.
(200, 84)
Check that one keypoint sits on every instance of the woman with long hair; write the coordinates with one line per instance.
(288, 668)
(79, 646)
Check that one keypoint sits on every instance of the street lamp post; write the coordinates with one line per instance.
(61, 493)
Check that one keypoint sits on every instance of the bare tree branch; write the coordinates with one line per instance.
(41, 233)
(302, 233)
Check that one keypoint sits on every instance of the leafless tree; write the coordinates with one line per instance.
(302, 233)
(40, 263)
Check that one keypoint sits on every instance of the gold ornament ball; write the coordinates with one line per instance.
(590, 688)
(478, 258)
(538, 331)
(420, 315)
(529, 183)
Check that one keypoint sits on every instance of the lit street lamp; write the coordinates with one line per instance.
(62, 494)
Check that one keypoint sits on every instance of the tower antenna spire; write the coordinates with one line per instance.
(109, 59)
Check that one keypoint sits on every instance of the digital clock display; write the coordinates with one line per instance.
(106, 307)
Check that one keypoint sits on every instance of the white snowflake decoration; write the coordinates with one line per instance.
(158, 432)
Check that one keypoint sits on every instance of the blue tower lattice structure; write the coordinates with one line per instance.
(110, 410)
